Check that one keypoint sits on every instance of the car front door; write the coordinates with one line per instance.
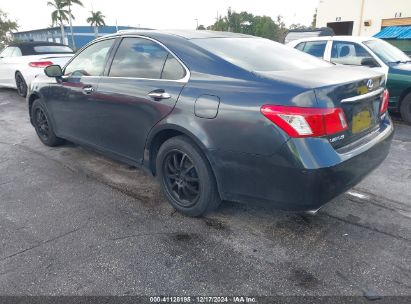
(140, 87)
(72, 101)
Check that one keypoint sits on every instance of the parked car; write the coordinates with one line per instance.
(215, 120)
(369, 52)
(307, 33)
(20, 62)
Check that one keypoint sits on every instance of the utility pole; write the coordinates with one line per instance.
(197, 23)
(361, 17)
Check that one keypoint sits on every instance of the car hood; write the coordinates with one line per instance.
(402, 68)
(322, 77)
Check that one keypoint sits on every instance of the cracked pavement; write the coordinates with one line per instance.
(73, 222)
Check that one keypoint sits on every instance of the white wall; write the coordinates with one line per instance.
(330, 10)
(350, 10)
(376, 10)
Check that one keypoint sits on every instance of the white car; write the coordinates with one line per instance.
(21, 62)
(346, 50)
(370, 52)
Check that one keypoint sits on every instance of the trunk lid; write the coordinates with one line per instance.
(358, 91)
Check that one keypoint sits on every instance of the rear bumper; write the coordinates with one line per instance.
(304, 175)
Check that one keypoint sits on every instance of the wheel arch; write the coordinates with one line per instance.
(30, 100)
(403, 95)
(160, 135)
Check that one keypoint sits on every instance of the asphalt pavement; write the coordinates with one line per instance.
(73, 222)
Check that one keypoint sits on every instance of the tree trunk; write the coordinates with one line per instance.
(71, 29)
(62, 32)
(96, 31)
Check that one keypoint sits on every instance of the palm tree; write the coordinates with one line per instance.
(96, 19)
(59, 15)
(69, 3)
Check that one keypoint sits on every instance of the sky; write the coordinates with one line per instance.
(159, 14)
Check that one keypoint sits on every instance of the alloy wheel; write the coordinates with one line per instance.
(181, 178)
(21, 86)
(41, 124)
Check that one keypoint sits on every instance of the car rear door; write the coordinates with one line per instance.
(140, 87)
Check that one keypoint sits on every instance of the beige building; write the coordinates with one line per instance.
(362, 17)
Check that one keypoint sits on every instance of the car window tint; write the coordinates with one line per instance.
(349, 53)
(7, 52)
(91, 61)
(300, 46)
(173, 70)
(139, 58)
(315, 48)
(16, 52)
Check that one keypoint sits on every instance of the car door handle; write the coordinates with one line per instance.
(159, 94)
(88, 90)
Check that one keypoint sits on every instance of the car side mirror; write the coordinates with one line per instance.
(53, 71)
(369, 62)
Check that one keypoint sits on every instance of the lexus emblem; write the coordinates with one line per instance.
(370, 84)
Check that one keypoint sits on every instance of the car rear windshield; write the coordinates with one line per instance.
(259, 54)
(52, 49)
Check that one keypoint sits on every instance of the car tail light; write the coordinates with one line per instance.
(40, 64)
(384, 103)
(306, 122)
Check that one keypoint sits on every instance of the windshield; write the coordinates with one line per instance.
(387, 52)
(260, 55)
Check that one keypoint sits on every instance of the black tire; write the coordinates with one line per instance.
(405, 109)
(186, 177)
(43, 126)
(21, 85)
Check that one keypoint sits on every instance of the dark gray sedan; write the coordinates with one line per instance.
(219, 116)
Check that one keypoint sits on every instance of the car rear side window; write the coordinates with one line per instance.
(314, 48)
(91, 61)
(259, 54)
(139, 58)
(300, 46)
(172, 70)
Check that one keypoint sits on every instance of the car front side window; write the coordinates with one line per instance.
(348, 53)
(91, 61)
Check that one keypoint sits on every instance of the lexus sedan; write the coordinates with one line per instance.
(21, 62)
(219, 116)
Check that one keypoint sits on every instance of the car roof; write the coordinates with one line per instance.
(186, 34)
(33, 43)
(28, 47)
(339, 38)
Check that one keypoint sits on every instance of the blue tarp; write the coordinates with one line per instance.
(395, 32)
